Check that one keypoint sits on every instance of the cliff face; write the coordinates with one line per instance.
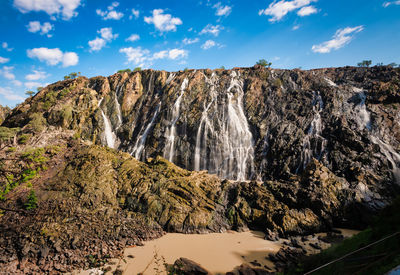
(4, 111)
(240, 124)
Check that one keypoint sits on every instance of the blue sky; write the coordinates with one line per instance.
(41, 41)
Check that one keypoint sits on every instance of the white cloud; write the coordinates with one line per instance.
(114, 15)
(4, 60)
(388, 3)
(295, 27)
(177, 54)
(306, 11)
(135, 13)
(208, 44)
(4, 45)
(110, 13)
(163, 22)
(32, 84)
(70, 59)
(135, 55)
(143, 57)
(188, 41)
(133, 38)
(54, 56)
(222, 10)
(339, 40)
(66, 8)
(214, 30)
(280, 9)
(98, 43)
(36, 75)
(160, 55)
(6, 72)
(50, 56)
(36, 26)
(107, 34)
(9, 94)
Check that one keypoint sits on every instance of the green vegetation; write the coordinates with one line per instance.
(222, 67)
(392, 65)
(364, 63)
(137, 69)
(23, 139)
(24, 168)
(31, 202)
(72, 75)
(30, 93)
(124, 71)
(264, 63)
(37, 122)
(6, 134)
(376, 259)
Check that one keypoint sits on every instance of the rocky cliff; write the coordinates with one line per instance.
(4, 111)
(286, 151)
(240, 124)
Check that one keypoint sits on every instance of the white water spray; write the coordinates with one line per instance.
(171, 131)
(141, 140)
(363, 120)
(224, 143)
(314, 144)
(108, 132)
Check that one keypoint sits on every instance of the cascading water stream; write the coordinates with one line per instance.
(224, 143)
(363, 120)
(141, 140)
(171, 77)
(313, 143)
(108, 132)
(169, 149)
(330, 82)
(204, 122)
(363, 117)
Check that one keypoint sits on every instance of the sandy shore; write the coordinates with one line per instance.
(216, 252)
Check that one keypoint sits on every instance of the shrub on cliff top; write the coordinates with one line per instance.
(264, 63)
(124, 71)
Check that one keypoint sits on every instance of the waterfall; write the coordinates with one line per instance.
(171, 131)
(171, 77)
(330, 82)
(141, 140)
(391, 155)
(108, 132)
(313, 143)
(363, 120)
(204, 122)
(224, 143)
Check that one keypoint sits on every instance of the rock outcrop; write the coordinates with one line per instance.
(4, 112)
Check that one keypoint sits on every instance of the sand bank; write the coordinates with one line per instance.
(216, 252)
